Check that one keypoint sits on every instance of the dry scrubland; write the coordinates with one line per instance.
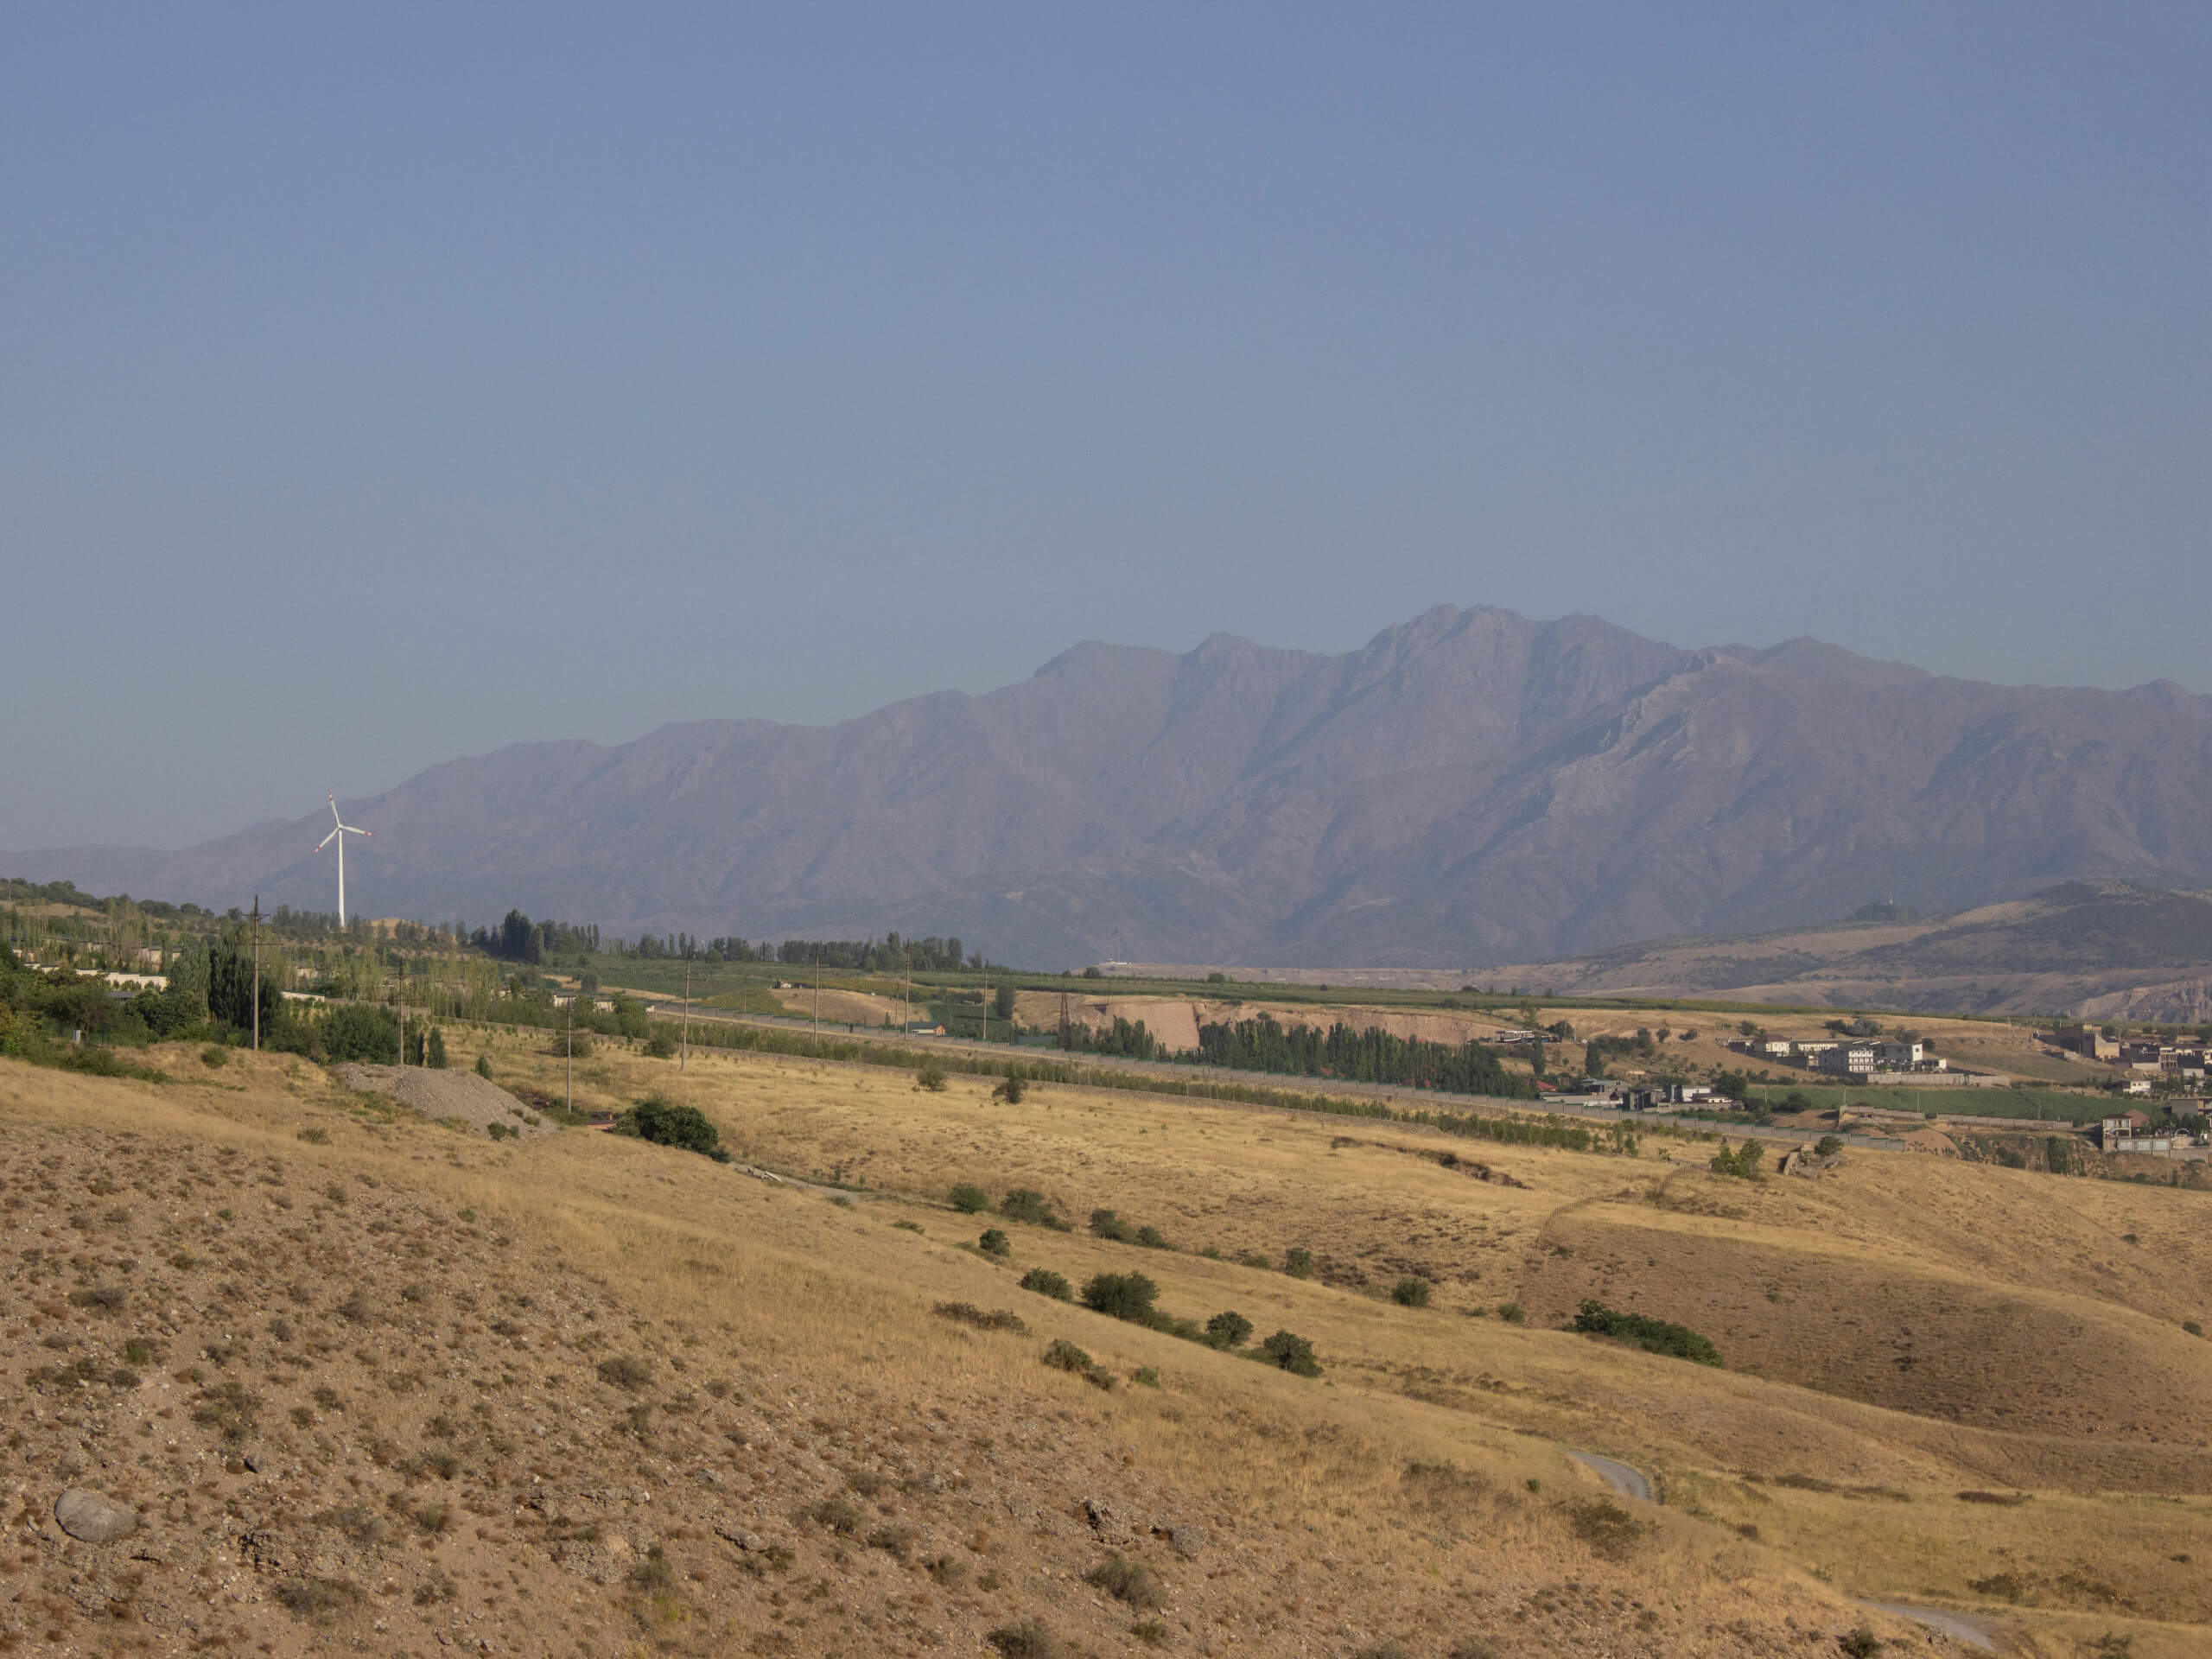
(399, 1388)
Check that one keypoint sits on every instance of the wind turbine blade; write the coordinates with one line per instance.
(350, 830)
(326, 841)
(333, 799)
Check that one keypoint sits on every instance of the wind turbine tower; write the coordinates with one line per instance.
(339, 836)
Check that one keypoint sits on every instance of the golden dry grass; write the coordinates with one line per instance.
(1333, 1545)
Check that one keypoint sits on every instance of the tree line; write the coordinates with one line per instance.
(1372, 1055)
(517, 938)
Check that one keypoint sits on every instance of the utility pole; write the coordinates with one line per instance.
(568, 1061)
(984, 962)
(684, 1055)
(256, 973)
(817, 990)
(402, 1019)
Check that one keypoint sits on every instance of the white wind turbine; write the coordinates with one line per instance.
(339, 836)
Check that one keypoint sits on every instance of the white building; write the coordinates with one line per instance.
(1850, 1060)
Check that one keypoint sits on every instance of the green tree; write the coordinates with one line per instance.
(437, 1049)
(666, 1123)
(1292, 1353)
(1121, 1295)
(231, 985)
(1228, 1329)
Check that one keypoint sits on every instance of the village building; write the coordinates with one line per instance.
(1849, 1060)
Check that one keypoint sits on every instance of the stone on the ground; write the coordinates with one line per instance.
(94, 1519)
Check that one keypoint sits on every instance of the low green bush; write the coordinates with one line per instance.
(1121, 1296)
(1065, 1355)
(997, 1318)
(1654, 1336)
(1743, 1163)
(1026, 1203)
(1298, 1262)
(1045, 1282)
(1227, 1330)
(996, 1243)
(1290, 1352)
(970, 1200)
(1410, 1293)
(666, 1123)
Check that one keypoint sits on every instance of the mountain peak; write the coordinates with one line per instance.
(1469, 786)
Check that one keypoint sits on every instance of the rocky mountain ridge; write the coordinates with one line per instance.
(1471, 787)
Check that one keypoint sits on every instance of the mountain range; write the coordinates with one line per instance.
(1471, 787)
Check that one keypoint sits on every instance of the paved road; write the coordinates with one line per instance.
(1632, 1483)
(1960, 1627)
(1624, 1478)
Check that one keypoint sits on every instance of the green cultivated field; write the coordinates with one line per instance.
(2050, 1104)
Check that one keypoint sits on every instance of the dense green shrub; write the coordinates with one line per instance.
(661, 1045)
(1065, 1355)
(970, 1200)
(483, 1066)
(1121, 1296)
(1292, 1353)
(1045, 1282)
(1227, 1330)
(930, 1075)
(1410, 1293)
(994, 1242)
(1656, 1336)
(666, 1123)
(1298, 1262)
(437, 1057)
(358, 1031)
(1010, 1090)
(1104, 1224)
(1743, 1163)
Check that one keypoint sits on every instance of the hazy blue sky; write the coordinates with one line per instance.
(376, 391)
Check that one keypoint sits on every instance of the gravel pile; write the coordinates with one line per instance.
(476, 1101)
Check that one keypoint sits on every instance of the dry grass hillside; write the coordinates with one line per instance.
(369, 1382)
